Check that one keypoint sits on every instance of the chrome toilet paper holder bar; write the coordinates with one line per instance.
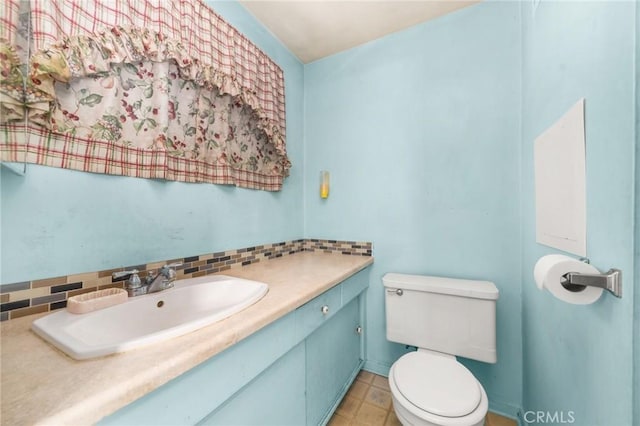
(610, 280)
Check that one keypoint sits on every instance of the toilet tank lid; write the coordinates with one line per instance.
(442, 285)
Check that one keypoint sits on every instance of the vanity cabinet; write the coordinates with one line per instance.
(294, 371)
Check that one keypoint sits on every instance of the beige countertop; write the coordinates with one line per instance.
(41, 385)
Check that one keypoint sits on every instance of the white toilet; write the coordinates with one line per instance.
(442, 317)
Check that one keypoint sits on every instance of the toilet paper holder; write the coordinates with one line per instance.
(610, 280)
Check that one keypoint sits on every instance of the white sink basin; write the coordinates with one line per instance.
(191, 304)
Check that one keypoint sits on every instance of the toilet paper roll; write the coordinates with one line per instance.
(548, 274)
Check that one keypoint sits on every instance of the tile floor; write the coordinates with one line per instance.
(368, 402)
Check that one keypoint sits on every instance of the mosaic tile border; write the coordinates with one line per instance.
(33, 297)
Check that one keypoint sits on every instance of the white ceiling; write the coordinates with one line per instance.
(313, 29)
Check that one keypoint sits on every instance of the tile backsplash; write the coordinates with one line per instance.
(32, 297)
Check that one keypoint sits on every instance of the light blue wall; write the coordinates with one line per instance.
(428, 135)
(421, 133)
(58, 222)
(579, 358)
(636, 314)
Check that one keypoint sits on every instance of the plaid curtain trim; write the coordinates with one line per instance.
(40, 146)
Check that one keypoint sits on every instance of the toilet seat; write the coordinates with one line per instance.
(437, 384)
(435, 389)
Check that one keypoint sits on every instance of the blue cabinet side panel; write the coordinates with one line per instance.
(276, 397)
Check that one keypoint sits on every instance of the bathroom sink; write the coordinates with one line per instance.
(191, 304)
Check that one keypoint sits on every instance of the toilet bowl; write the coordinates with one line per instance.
(431, 389)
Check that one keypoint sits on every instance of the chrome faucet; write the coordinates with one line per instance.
(153, 282)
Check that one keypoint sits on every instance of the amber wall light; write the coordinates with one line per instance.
(324, 184)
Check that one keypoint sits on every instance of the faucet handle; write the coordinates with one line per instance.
(151, 275)
(133, 281)
(121, 274)
(170, 271)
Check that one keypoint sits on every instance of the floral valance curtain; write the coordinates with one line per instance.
(151, 88)
(14, 53)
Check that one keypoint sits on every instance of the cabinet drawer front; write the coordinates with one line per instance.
(310, 315)
(354, 285)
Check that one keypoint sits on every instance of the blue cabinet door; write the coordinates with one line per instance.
(333, 355)
(276, 397)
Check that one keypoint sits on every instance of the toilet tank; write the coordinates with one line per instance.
(452, 316)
